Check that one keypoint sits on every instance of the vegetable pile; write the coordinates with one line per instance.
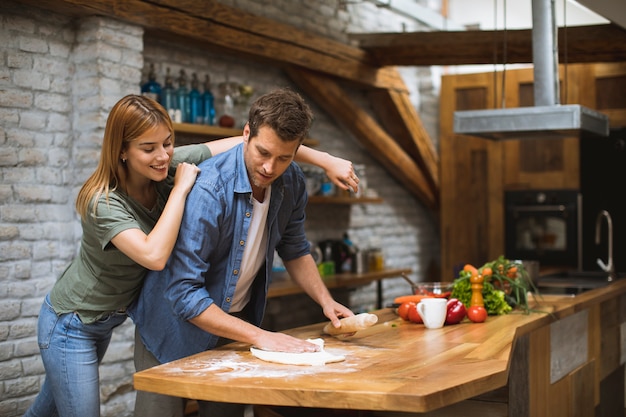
(505, 286)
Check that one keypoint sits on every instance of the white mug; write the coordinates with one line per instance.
(433, 312)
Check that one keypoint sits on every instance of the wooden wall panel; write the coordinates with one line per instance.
(582, 391)
(539, 376)
(470, 180)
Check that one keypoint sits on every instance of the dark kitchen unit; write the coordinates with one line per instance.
(603, 185)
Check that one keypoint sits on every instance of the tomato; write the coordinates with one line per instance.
(403, 310)
(414, 316)
(486, 272)
(471, 269)
(477, 314)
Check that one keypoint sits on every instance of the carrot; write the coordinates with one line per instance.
(413, 298)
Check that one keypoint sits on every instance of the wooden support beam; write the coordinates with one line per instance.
(401, 120)
(329, 94)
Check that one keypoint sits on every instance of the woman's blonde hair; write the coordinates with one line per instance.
(129, 118)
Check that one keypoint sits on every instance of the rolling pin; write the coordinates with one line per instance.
(352, 324)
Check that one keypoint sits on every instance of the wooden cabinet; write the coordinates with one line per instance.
(475, 172)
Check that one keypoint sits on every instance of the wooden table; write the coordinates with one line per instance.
(400, 366)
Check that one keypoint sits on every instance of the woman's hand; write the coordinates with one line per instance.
(341, 172)
(185, 176)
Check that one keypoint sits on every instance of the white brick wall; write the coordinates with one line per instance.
(58, 80)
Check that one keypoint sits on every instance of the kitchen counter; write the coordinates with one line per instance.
(568, 351)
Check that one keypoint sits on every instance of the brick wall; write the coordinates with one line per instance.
(58, 79)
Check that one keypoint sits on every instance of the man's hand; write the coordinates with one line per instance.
(334, 311)
(281, 342)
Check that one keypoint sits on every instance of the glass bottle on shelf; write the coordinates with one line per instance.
(208, 102)
(195, 101)
(152, 88)
(226, 104)
(168, 95)
(182, 97)
(242, 104)
(359, 169)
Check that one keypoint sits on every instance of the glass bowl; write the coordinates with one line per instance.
(433, 288)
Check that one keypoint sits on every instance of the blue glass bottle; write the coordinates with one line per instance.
(182, 97)
(168, 95)
(152, 88)
(208, 102)
(195, 101)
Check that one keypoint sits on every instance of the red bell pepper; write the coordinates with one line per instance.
(456, 311)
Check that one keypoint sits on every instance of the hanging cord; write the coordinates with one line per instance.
(495, 52)
(565, 70)
(504, 57)
(495, 55)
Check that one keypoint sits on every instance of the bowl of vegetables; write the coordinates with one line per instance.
(439, 289)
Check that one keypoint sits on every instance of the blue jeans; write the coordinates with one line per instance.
(71, 352)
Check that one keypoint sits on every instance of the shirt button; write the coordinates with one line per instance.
(228, 299)
(247, 214)
(236, 272)
(241, 243)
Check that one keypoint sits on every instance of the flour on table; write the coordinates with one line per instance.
(306, 358)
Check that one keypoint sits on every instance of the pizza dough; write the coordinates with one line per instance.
(306, 358)
(352, 324)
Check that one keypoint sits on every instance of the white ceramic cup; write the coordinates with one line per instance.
(433, 312)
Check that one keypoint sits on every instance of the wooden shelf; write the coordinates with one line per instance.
(206, 130)
(320, 199)
(288, 287)
(214, 132)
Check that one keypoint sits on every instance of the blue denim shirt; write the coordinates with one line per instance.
(203, 268)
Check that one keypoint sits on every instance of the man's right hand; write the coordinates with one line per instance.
(281, 342)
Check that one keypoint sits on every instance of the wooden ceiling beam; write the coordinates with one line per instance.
(402, 122)
(577, 44)
(226, 28)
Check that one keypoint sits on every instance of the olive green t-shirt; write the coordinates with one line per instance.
(101, 279)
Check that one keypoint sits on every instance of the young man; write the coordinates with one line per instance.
(245, 204)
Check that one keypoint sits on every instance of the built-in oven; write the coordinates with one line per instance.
(544, 225)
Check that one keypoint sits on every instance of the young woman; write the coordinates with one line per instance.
(131, 209)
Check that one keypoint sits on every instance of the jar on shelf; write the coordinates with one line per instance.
(376, 259)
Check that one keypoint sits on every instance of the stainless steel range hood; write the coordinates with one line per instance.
(547, 118)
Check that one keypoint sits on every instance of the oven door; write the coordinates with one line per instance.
(544, 229)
